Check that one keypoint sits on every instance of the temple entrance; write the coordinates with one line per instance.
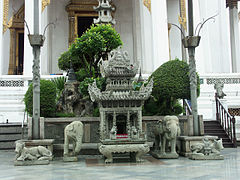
(20, 53)
(16, 57)
(84, 22)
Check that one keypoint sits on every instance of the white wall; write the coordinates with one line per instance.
(28, 55)
(175, 35)
(124, 24)
(56, 38)
(213, 53)
(159, 33)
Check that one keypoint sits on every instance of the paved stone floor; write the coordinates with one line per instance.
(94, 168)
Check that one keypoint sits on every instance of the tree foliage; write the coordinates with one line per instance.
(90, 47)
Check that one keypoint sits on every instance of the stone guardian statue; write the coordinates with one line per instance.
(73, 133)
(165, 136)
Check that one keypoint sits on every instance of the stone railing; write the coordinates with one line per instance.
(53, 128)
(8, 81)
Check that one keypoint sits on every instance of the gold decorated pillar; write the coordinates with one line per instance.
(72, 29)
(12, 61)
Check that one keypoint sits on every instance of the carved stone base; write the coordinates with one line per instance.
(70, 159)
(165, 156)
(206, 157)
(138, 149)
(30, 163)
(184, 143)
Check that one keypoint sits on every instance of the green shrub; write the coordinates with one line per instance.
(171, 82)
(47, 99)
(59, 82)
(92, 45)
(83, 86)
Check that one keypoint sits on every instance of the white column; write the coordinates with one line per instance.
(234, 37)
(147, 39)
(28, 55)
(159, 33)
(137, 39)
(1, 35)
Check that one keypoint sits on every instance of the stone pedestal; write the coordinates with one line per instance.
(139, 149)
(184, 143)
(31, 163)
(209, 157)
(70, 159)
(165, 156)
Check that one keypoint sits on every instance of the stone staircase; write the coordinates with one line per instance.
(11, 104)
(213, 128)
(9, 133)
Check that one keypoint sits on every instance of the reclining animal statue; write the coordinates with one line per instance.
(38, 153)
(207, 150)
(207, 147)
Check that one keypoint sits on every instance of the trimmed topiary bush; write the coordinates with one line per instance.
(171, 82)
(47, 99)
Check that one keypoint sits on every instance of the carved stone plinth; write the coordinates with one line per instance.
(206, 157)
(70, 159)
(30, 163)
(165, 156)
(138, 149)
(184, 143)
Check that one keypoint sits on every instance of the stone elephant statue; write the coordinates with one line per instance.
(166, 133)
(73, 133)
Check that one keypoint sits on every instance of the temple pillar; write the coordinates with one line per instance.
(72, 33)
(114, 119)
(1, 36)
(140, 120)
(28, 54)
(234, 38)
(159, 33)
(12, 62)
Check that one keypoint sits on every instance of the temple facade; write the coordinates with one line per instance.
(145, 29)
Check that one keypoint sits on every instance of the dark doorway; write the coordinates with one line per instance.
(121, 124)
(20, 53)
(84, 23)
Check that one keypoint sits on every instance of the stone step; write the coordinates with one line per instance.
(7, 145)
(10, 137)
(11, 102)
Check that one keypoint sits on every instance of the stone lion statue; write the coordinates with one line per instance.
(207, 147)
(73, 133)
(31, 154)
(166, 134)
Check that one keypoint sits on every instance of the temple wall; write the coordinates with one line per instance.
(124, 24)
(175, 42)
(159, 33)
(56, 38)
(213, 53)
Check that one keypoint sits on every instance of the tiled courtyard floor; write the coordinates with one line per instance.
(93, 168)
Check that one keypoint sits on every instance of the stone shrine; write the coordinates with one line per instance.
(120, 108)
